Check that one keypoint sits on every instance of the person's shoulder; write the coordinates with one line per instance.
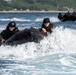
(51, 25)
(4, 31)
(16, 29)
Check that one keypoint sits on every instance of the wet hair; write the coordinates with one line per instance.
(46, 20)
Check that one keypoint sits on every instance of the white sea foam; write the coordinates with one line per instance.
(2, 28)
(5, 19)
(39, 20)
(54, 19)
(19, 19)
(60, 41)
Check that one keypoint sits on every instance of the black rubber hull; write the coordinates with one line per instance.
(64, 18)
(27, 35)
(68, 19)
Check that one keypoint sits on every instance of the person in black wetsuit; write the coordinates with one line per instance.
(74, 16)
(67, 16)
(10, 30)
(47, 26)
(60, 16)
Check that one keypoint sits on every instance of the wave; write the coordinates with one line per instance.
(18, 19)
(55, 54)
(39, 20)
(60, 41)
(7, 19)
(52, 19)
(15, 19)
(2, 28)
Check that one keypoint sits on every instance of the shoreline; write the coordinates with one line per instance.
(32, 11)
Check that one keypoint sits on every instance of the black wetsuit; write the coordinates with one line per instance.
(48, 29)
(6, 34)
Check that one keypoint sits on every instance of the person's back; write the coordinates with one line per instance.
(10, 30)
(67, 15)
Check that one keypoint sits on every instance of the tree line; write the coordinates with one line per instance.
(47, 5)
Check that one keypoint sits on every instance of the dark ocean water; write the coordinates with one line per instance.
(54, 55)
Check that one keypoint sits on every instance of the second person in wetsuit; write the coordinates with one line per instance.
(47, 26)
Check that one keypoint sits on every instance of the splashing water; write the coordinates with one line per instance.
(60, 41)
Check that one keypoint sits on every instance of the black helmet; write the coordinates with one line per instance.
(46, 20)
(12, 24)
